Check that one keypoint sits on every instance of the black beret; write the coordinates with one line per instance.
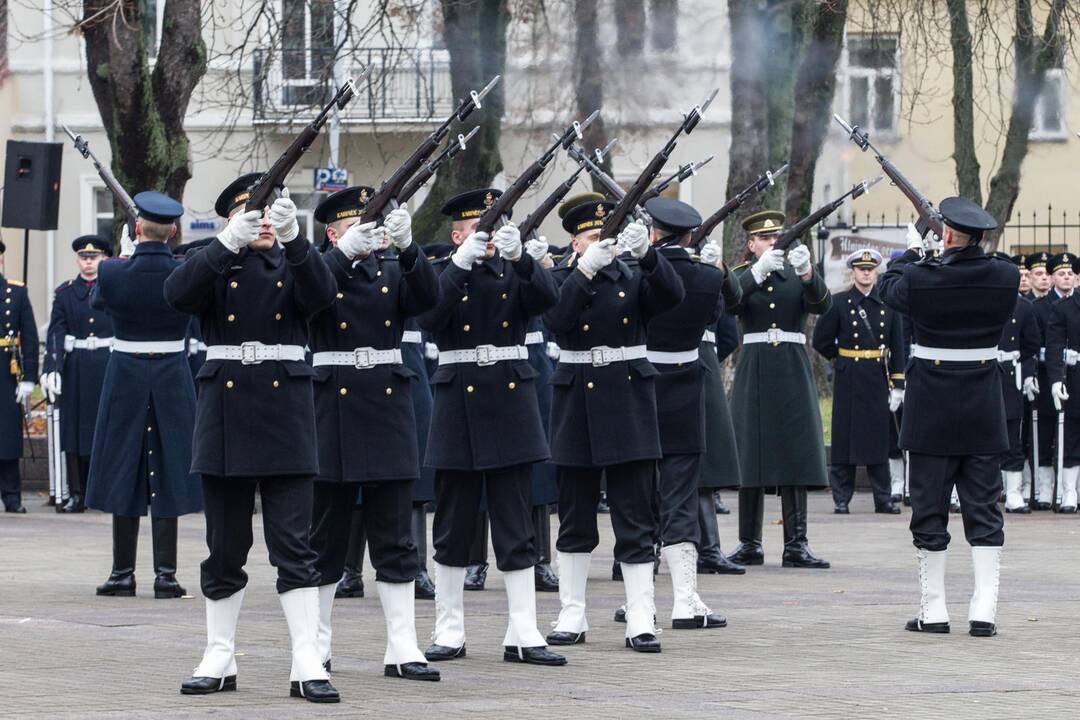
(574, 200)
(1060, 261)
(966, 216)
(236, 193)
(470, 204)
(586, 216)
(343, 204)
(1036, 260)
(764, 222)
(672, 216)
(91, 244)
(157, 207)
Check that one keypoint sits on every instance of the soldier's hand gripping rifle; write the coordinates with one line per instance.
(713, 221)
(119, 194)
(679, 175)
(274, 178)
(499, 213)
(530, 226)
(392, 192)
(929, 217)
(792, 234)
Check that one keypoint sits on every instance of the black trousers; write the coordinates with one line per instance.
(387, 518)
(509, 502)
(842, 481)
(1047, 438)
(978, 483)
(1014, 458)
(286, 510)
(678, 487)
(630, 489)
(10, 483)
(78, 469)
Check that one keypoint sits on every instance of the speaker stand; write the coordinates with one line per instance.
(25, 254)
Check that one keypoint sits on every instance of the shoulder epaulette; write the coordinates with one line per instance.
(741, 266)
(16, 283)
(63, 286)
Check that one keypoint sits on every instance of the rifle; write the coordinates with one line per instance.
(274, 178)
(679, 175)
(499, 212)
(389, 194)
(119, 194)
(612, 189)
(713, 221)
(929, 217)
(529, 228)
(792, 234)
(615, 219)
(428, 169)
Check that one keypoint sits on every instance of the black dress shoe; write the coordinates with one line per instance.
(532, 655)
(978, 628)
(118, 585)
(73, 505)
(643, 643)
(166, 587)
(799, 556)
(558, 637)
(699, 622)
(351, 586)
(316, 691)
(1022, 510)
(719, 506)
(17, 509)
(750, 553)
(841, 509)
(425, 588)
(208, 685)
(1068, 510)
(546, 580)
(917, 625)
(438, 653)
(1040, 505)
(897, 497)
(889, 509)
(718, 564)
(476, 576)
(620, 615)
(616, 571)
(412, 671)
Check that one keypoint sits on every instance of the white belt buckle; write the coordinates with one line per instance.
(774, 336)
(248, 354)
(92, 343)
(362, 359)
(598, 357)
(483, 355)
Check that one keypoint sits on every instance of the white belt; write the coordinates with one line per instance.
(195, 346)
(672, 358)
(412, 336)
(361, 358)
(775, 337)
(152, 346)
(483, 355)
(954, 354)
(602, 355)
(534, 338)
(1012, 356)
(709, 337)
(88, 343)
(253, 353)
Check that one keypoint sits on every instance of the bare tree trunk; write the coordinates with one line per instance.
(967, 162)
(475, 33)
(785, 32)
(588, 83)
(142, 111)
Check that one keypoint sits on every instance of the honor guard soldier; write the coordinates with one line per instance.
(486, 430)
(1062, 355)
(1020, 261)
(604, 414)
(1038, 277)
(19, 343)
(361, 383)
(673, 347)
(954, 425)
(254, 290)
(774, 399)
(141, 455)
(864, 341)
(77, 349)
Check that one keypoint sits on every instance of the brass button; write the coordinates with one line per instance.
(852, 312)
(343, 325)
(276, 383)
(1013, 337)
(505, 323)
(626, 321)
(279, 283)
(388, 323)
(464, 298)
(856, 335)
(1014, 320)
(856, 346)
(232, 318)
(228, 384)
(151, 473)
(622, 294)
(340, 296)
(511, 385)
(882, 312)
(469, 388)
(389, 391)
(937, 362)
(772, 306)
(504, 296)
(344, 391)
(774, 325)
(769, 288)
(91, 321)
(882, 324)
(589, 385)
(277, 316)
(385, 289)
(149, 452)
(466, 328)
(853, 323)
(233, 285)
(585, 328)
(150, 429)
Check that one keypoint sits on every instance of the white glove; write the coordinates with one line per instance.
(1031, 387)
(127, 245)
(283, 218)
(69, 343)
(1060, 394)
(553, 350)
(471, 251)
(431, 351)
(398, 226)
(896, 399)
(23, 391)
(360, 240)
(712, 254)
(770, 261)
(914, 241)
(1072, 357)
(596, 256)
(634, 239)
(537, 249)
(242, 230)
(799, 257)
(507, 241)
(51, 383)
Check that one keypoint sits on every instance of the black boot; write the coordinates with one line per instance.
(616, 571)
(710, 559)
(751, 519)
(352, 581)
(796, 547)
(78, 468)
(163, 531)
(125, 535)
(546, 579)
(476, 570)
(718, 504)
(425, 588)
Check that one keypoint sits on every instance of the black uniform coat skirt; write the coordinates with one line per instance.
(412, 357)
(1063, 333)
(545, 489)
(774, 402)
(16, 322)
(1021, 334)
(720, 463)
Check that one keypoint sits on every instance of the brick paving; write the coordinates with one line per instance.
(800, 643)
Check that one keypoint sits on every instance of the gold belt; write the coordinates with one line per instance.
(860, 354)
(9, 342)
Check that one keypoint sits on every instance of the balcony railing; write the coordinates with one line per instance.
(406, 84)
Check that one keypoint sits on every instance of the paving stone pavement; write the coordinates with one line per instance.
(800, 643)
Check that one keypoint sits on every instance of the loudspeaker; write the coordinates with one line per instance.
(31, 185)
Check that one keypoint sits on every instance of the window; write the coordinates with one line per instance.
(307, 49)
(1048, 120)
(103, 212)
(873, 82)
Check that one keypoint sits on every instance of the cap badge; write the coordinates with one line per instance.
(363, 195)
(600, 211)
(489, 199)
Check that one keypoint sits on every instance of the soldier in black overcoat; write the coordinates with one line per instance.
(1062, 355)
(19, 374)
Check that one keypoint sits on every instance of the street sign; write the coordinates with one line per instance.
(331, 179)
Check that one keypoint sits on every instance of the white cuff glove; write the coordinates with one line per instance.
(634, 239)
(596, 256)
(896, 399)
(23, 391)
(712, 254)
(1072, 357)
(431, 351)
(1060, 395)
(51, 383)
(69, 343)
(127, 245)
(507, 240)
(799, 257)
(553, 350)
(242, 230)
(770, 261)
(471, 251)
(360, 240)
(398, 226)
(537, 249)
(914, 241)
(1031, 388)
(283, 218)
